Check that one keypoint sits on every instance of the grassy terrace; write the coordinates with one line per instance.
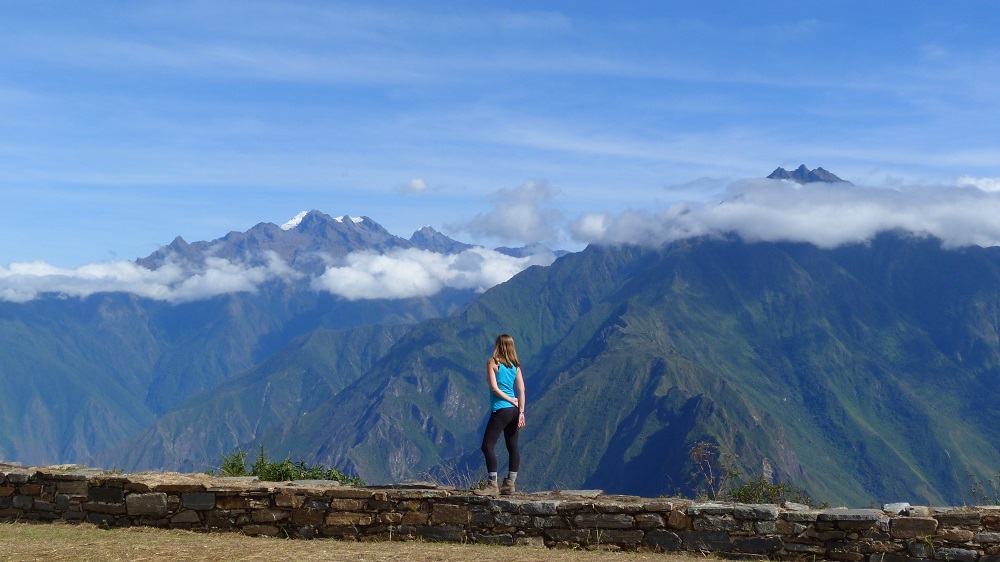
(62, 542)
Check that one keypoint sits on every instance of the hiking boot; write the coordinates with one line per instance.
(507, 488)
(490, 489)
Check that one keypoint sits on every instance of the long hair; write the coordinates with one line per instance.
(505, 352)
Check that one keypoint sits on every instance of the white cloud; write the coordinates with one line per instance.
(176, 281)
(519, 214)
(826, 215)
(416, 185)
(361, 275)
(417, 273)
(985, 184)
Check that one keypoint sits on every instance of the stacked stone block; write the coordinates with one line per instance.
(567, 519)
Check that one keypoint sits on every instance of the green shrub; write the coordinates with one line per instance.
(760, 490)
(234, 464)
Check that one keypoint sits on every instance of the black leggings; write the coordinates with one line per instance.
(504, 419)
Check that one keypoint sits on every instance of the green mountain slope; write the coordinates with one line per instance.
(74, 375)
(865, 373)
(295, 380)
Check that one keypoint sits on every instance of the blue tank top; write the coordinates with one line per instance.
(505, 382)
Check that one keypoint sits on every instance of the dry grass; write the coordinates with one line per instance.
(59, 542)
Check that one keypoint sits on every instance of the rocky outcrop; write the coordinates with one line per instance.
(573, 519)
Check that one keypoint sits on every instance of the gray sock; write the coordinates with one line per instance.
(492, 477)
(512, 476)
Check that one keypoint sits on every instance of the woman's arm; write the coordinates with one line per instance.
(491, 377)
(519, 383)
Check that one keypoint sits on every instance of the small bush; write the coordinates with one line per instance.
(234, 464)
(760, 490)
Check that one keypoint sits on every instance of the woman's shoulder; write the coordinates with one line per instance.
(491, 361)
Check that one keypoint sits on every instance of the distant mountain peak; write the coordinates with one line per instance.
(296, 220)
(344, 218)
(427, 238)
(804, 175)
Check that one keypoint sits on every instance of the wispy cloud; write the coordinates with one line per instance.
(521, 214)
(827, 215)
(416, 185)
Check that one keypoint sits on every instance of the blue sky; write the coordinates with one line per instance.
(125, 124)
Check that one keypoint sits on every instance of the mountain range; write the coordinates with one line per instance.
(867, 372)
(803, 175)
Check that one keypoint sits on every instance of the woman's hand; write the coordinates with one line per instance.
(513, 401)
(520, 420)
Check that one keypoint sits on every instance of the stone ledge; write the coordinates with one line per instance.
(565, 518)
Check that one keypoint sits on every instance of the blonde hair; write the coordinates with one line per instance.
(504, 351)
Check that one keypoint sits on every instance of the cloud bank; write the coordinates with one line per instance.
(826, 215)
(176, 281)
(362, 275)
(414, 273)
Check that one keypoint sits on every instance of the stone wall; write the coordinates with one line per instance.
(570, 519)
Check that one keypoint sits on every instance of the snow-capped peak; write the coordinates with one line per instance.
(295, 221)
(355, 220)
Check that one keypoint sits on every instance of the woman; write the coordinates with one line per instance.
(503, 372)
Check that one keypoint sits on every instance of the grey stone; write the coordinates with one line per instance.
(503, 539)
(762, 512)
(662, 540)
(625, 538)
(895, 508)
(709, 509)
(539, 508)
(603, 521)
(532, 542)
(63, 502)
(23, 502)
(444, 533)
(765, 527)
(865, 515)
(482, 518)
(581, 493)
(198, 501)
(958, 519)
(18, 477)
(808, 548)
(956, 554)
(106, 495)
(919, 511)
(718, 523)
(186, 516)
(548, 522)
(987, 538)
(705, 540)
(512, 520)
(800, 516)
(579, 536)
(757, 545)
(153, 503)
(793, 506)
(501, 505)
(649, 520)
(316, 505)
